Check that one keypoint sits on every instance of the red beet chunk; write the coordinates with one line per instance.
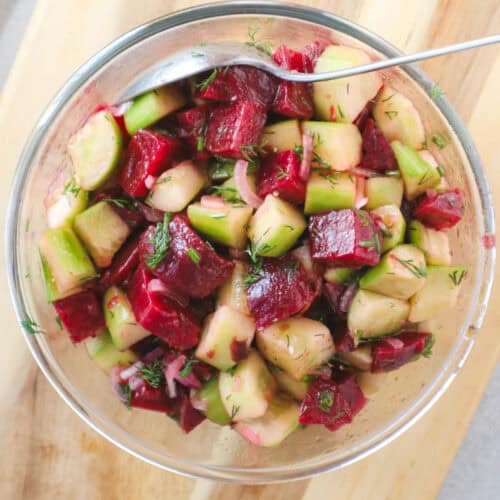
(325, 404)
(279, 172)
(196, 277)
(340, 297)
(160, 315)
(342, 337)
(364, 115)
(235, 129)
(393, 352)
(188, 417)
(150, 214)
(122, 205)
(148, 153)
(124, 263)
(377, 152)
(440, 210)
(191, 126)
(290, 59)
(202, 371)
(294, 99)
(351, 391)
(149, 398)
(311, 52)
(283, 290)
(240, 83)
(81, 314)
(347, 238)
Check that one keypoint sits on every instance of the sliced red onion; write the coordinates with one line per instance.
(157, 286)
(171, 372)
(150, 181)
(215, 202)
(198, 404)
(365, 172)
(190, 381)
(244, 189)
(347, 296)
(149, 213)
(135, 383)
(361, 200)
(307, 154)
(394, 343)
(151, 356)
(116, 384)
(131, 371)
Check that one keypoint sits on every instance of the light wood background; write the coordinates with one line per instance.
(47, 452)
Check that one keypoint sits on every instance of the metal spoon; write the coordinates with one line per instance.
(205, 57)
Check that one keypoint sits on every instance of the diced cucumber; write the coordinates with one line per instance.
(275, 227)
(371, 383)
(223, 328)
(382, 191)
(434, 244)
(233, 292)
(50, 284)
(120, 319)
(398, 118)
(176, 187)
(429, 158)
(152, 106)
(221, 169)
(360, 358)
(210, 396)
(439, 294)
(246, 391)
(102, 350)
(339, 275)
(418, 175)
(400, 273)
(296, 345)
(279, 421)
(372, 314)
(66, 259)
(395, 226)
(102, 231)
(336, 145)
(223, 225)
(296, 388)
(329, 190)
(343, 99)
(227, 190)
(282, 136)
(95, 150)
(62, 207)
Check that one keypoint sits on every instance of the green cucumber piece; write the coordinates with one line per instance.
(95, 150)
(102, 231)
(210, 396)
(225, 225)
(329, 190)
(50, 284)
(440, 292)
(63, 205)
(152, 106)
(275, 227)
(296, 388)
(279, 421)
(233, 292)
(434, 244)
(120, 319)
(177, 187)
(222, 328)
(400, 273)
(418, 175)
(395, 226)
(66, 260)
(382, 191)
(360, 358)
(246, 391)
(372, 314)
(339, 275)
(296, 345)
(282, 136)
(102, 350)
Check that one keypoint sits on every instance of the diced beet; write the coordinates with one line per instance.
(279, 172)
(149, 398)
(240, 83)
(160, 315)
(147, 345)
(188, 417)
(325, 404)
(294, 99)
(347, 238)
(290, 59)
(151, 214)
(340, 297)
(351, 391)
(81, 314)
(235, 129)
(284, 289)
(440, 210)
(377, 151)
(342, 337)
(390, 353)
(194, 277)
(191, 126)
(124, 263)
(202, 370)
(148, 153)
(311, 53)
(123, 206)
(362, 119)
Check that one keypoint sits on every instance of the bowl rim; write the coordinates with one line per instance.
(479, 299)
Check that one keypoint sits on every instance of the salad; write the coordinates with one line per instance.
(252, 251)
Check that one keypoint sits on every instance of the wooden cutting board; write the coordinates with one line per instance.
(47, 452)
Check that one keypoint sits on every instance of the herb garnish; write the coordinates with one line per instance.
(341, 113)
(375, 243)
(226, 192)
(31, 326)
(427, 352)
(439, 140)
(457, 276)
(391, 114)
(59, 322)
(208, 80)
(256, 273)
(436, 92)
(326, 401)
(425, 177)
(440, 171)
(160, 241)
(188, 367)
(153, 373)
(282, 173)
(120, 202)
(258, 44)
(200, 143)
(193, 255)
(232, 371)
(164, 180)
(412, 267)
(128, 395)
(234, 410)
(388, 98)
(71, 187)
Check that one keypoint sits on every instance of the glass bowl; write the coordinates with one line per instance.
(210, 451)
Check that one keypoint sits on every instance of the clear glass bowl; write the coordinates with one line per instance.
(210, 451)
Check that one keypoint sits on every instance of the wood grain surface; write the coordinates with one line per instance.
(47, 452)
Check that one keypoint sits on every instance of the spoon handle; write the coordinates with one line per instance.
(396, 61)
